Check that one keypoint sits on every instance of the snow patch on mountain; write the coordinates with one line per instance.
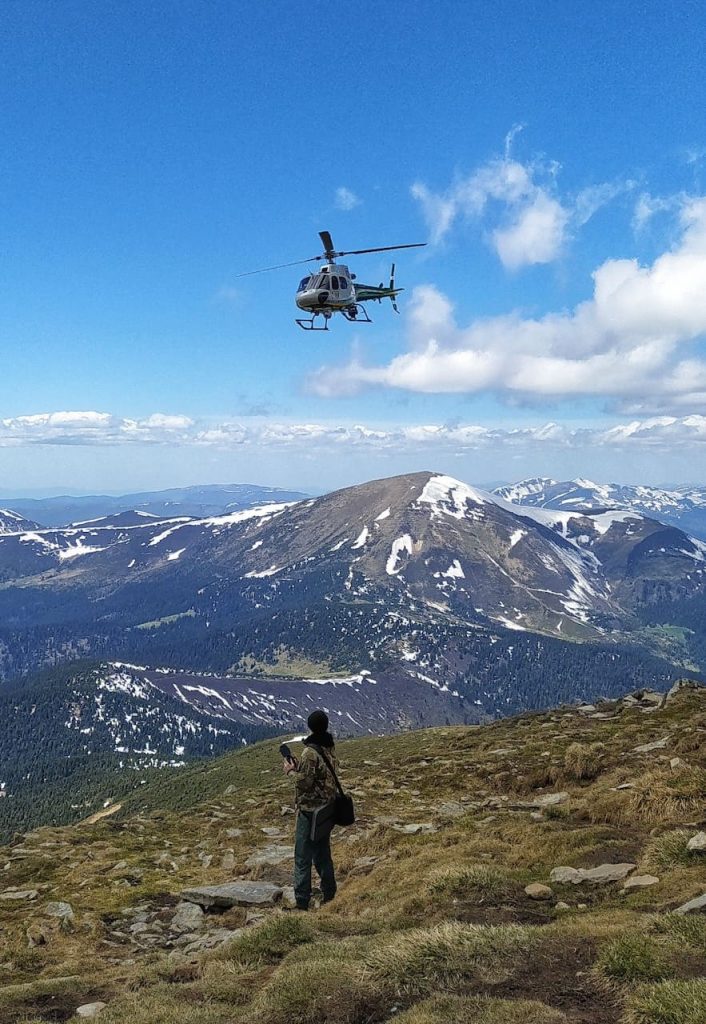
(399, 545)
(450, 497)
(361, 540)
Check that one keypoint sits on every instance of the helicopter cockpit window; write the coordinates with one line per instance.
(343, 283)
(303, 284)
(334, 283)
(323, 282)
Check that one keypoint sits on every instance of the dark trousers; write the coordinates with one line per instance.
(306, 853)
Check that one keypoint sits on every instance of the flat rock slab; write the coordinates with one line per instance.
(645, 748)
(234, 894)
(601, 875)
(19, 894)
(688, 908)
(640, 881)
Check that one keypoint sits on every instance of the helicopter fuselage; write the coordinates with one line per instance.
(332, 289)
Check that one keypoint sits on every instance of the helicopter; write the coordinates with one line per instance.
(332, 288)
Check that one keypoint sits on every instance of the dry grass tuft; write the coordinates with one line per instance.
(687, 930)
(479, 883)
(421, 960)
(669, 849)
(662, 795)
(669, 1002)
(267, 943)
(583, 761)
(633, 957)
(317, 992)
(460, 1010)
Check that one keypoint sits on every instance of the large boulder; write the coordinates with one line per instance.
(234, 894)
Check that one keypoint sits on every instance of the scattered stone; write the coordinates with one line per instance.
(211, 939)
(645, 748)
(698, 904)
(120, 866)
(206, 859)
(640, 881)
(697, 843)
(536, 816)
(600, 875)
(676, 762)
(270, 855)
(228, 860)
(561, 906)
(286, 809)
(288, 898)
(63, 911)
(537, 891)
(188, 918)
(272, 832)
(416, 828)
(234, 894)
(451, 809)
(90, 1009)
(365, 862)
(234, 833)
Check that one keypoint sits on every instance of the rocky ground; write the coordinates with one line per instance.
(542, 869)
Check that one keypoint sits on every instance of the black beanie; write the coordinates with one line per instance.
(317, 722)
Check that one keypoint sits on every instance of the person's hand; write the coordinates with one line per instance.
(289, 766)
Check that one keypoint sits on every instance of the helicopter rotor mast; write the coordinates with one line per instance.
(332, 254)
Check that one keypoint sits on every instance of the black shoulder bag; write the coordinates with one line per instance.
(339, 811)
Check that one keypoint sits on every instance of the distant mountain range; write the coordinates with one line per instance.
(323, 580)
(202, 500)
(684, 507)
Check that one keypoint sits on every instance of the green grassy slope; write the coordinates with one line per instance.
(432, 925)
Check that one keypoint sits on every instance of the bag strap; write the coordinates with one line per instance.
(319, 750)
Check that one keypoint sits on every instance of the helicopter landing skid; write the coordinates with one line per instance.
(311, 325)
(357, 314)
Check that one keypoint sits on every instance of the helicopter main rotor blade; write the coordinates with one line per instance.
(279, 266)
(325, 237)
(382, 248)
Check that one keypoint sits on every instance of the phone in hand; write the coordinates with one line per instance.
(287, 753)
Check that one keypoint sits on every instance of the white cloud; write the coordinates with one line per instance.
(91, 428)
(533, 222)
(346, 199)
(630, 342)
(105, 429)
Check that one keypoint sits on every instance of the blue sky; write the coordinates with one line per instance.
(552, 155)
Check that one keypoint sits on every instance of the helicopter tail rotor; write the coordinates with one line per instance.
(393, 297)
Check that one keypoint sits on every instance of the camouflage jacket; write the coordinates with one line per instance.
(313, 781)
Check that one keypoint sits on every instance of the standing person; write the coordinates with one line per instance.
(314, 786)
